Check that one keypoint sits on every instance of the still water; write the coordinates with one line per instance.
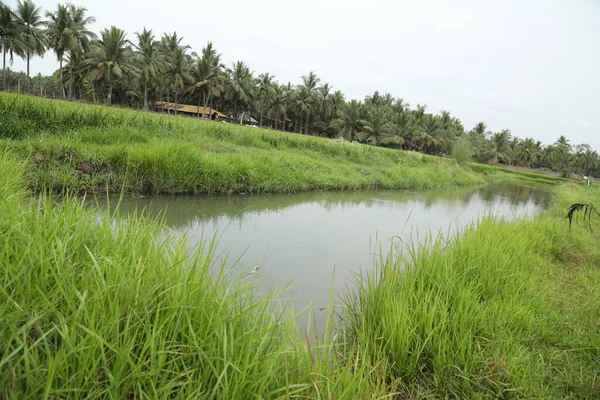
(306, 240)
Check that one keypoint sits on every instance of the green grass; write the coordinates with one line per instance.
(508, 310)
(512, 173)
(98, 305)
(139, 152)
(92, 308)
(104, 306)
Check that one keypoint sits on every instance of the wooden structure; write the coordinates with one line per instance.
(203, 112)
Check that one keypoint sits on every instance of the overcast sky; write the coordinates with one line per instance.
(530, 66)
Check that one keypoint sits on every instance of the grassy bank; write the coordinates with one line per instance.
(95, 309)
(509, 310)
(94, 148)
(91, 308)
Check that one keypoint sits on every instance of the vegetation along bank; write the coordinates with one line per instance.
(163, 72)
(94, 148)
(95, 308)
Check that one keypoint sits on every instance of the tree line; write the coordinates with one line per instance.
(110, 68)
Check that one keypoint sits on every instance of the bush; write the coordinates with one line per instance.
(462, 150)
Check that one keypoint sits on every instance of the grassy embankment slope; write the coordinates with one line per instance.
(94, 148)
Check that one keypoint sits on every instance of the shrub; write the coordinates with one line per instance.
(462, 150)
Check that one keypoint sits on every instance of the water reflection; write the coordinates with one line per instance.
(183, 212)
(301, 238)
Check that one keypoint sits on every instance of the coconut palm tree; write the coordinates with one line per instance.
(239, 86)
(329, 107)
(400, 106)
(501, 146)
(170, 42)
(387, 100)
(30, 21)
(559, 155)
(336, 100)
(323, 101)
(349, 121)
(207, 77)
(66, 33)
(586, 163)
(264, 93)
(482, 147)
(59, 34)
(80, 22)
(380, 100)
(110, 58)
(563, 141)
(216, 79)
(480, 128)
(178, 71)
(288, 94)
(148, 60)
(77, 73)
(82, 40)
(402, 130)
(167, 46)
(303, 105)
(378, 126)
(309, 97)
(419, 113)
(527, 152)
(431, 137)
(459, 129)
(11, 39)
(277, 105)
(311, 81)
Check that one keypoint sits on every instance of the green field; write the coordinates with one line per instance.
(93, 308)
(94, 148)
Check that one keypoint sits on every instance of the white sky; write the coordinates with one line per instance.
(532, 66)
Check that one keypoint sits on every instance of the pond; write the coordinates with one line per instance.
(306, 240)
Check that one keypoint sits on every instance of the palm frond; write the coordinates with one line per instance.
(588, 210)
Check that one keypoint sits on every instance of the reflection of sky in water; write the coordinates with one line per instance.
(300, 239)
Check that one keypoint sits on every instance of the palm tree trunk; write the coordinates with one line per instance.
(28, 77)
(284, 118)
(4, 68)
(62, 88)
(234, 109)
(146, 95)
(206, 101)
(198, 111)
(110, 93)
(70, 81)
(175, 101)
(306, 125)
(160, 96)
